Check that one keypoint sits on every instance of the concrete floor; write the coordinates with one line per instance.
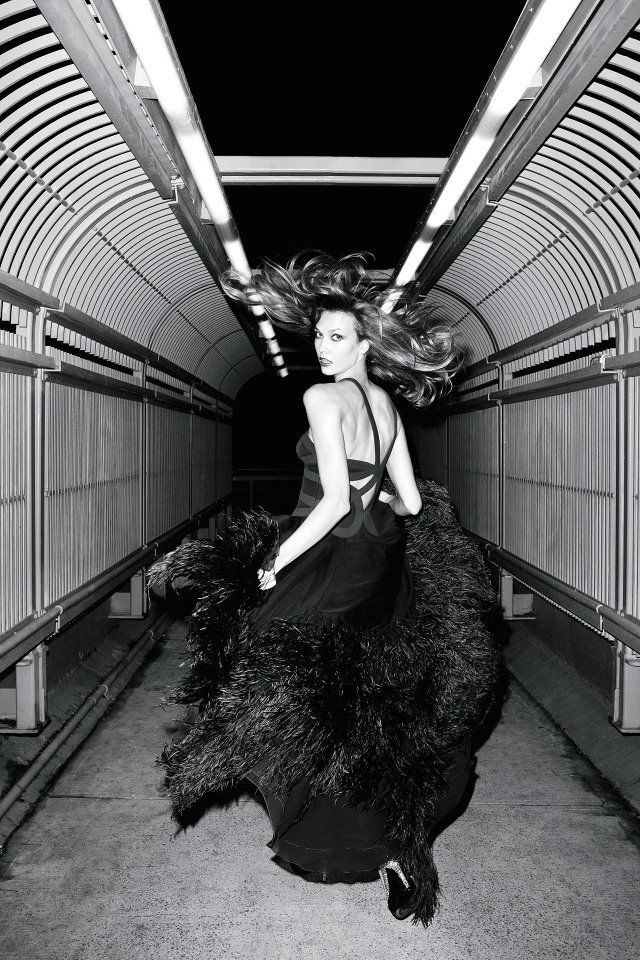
(543, 864)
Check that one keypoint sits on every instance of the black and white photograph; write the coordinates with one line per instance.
(319, 480)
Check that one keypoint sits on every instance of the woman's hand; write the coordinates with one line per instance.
(266, 579)
(385, 496)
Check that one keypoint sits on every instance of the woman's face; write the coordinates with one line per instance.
(336, 342)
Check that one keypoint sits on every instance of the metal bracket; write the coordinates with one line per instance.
(132, 604)
(515, 606)
(24, 706)
(142, 83)
(626, 694)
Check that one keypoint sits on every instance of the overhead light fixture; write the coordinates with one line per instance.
(144, 22)
(547, 23)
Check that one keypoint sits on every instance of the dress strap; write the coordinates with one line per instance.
(376, 435)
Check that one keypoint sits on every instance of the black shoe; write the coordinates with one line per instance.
(399, 895)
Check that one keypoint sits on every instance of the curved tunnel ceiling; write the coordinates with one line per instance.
(80, 219)
(566, 234)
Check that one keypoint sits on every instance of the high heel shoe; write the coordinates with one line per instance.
(400, 891)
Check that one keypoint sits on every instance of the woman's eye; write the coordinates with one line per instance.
(337, 336)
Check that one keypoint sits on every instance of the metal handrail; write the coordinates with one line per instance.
(599, 616)
(22, 638)
(581, 322)
(32, 298)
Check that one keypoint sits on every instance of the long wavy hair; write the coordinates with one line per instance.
(408, 347)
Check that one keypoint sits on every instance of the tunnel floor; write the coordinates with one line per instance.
(543, 863)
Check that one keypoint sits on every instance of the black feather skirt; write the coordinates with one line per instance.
(349, 694)
(366, 580)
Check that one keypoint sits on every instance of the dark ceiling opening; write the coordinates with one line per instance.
(336, 219)
(324, 81)
(321, 80)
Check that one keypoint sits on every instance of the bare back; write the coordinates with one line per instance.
(359, 433)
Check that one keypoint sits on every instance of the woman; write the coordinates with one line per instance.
(341, 692)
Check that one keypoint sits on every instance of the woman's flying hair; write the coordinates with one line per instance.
(407, 347)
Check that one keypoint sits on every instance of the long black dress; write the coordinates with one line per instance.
(349, 693)
(359, 572)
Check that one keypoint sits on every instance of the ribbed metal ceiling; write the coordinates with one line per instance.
(80, 219)
(566, 233)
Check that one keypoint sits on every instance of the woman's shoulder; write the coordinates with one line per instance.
(341, 393)
(320, 393)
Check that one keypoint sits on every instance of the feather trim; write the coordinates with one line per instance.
(377, 715)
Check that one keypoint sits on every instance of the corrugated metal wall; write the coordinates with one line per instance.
(541, 291)
(119, 355)
(16, 588)
(560, 487)
(473, 466)
(91, 485)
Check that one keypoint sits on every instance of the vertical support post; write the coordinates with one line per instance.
(37, 468)
(139, 598)
(41, 681)
(447, 453)
(31, 690)
(25, 693)
(214, 479)
(626, 695)
(142, 462)
(202, 530)
(621, 471)
(506, 594)
(502, 507)
(191, 453)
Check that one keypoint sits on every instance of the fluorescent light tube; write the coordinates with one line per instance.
(534, 47)
(154, 51)
(147, 32)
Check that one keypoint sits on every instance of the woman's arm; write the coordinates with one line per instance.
(407, 501)
(397, 505)
(325, 420)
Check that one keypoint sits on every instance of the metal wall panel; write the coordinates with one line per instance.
(633, 499)
(632, 604)
(576, 353)
(474, 470)
(15, 325)
(223, 464)
(91, 485)
(88, 214)
(16, 588)
(167, 469)
(563, 237)
(560, 487)
(71, 347)
(432, 450)
(203, 470)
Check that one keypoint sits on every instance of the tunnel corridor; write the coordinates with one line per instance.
(142, 408)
